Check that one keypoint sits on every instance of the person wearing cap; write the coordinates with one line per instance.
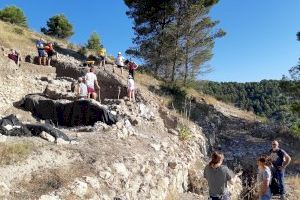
(40, 44)
(120, 62)
(82, 90)
(130, 88)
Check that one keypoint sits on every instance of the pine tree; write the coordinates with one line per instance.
(14, 15)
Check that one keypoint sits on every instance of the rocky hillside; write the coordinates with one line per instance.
(151, 152)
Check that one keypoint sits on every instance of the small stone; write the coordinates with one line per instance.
(121, 169)
(173, 132)
(156, 147)
(62, 141)
(79, 188)
(47, 136)
(3, 138)
(172, 165)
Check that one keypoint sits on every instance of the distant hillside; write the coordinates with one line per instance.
(264, 98)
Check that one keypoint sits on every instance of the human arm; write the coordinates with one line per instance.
(287, 159)
(96, 82)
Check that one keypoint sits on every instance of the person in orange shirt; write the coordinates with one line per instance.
(50, 52)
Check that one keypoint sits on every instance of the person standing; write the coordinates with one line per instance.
(264, 178)
(50, 52)
(120, 62)
(82, 91)
(40, 45)
(217, 176)
(280, 160)
(102, 57)
(130, 88)
(132, 66)
(91, 81)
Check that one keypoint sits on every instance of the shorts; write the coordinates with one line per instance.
(50, 54)
(130, 88)
(120, 66)
(90, 89)
(42, 53)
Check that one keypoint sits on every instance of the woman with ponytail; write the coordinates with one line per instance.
(217, 176)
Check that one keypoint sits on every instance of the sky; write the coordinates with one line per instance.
(260, 42)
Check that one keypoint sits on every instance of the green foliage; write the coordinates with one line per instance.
(83, 51)
(174, 38)
(94, 42)
(18, 31)
(296, 129)
(14, 15)
(184, 132)
(177, 92)
(264, 98)
(59, 27)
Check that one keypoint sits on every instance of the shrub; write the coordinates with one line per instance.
(58, 26)
(184, 132)
(94, 42)
(14, 15)
(83, 51)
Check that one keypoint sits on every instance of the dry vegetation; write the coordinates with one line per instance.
(23, 39)
(13, 153)
(294, 183)
(47, 180)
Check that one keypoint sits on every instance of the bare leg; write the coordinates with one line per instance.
(40, 60)
(49, 61)
(133, 95)
(94, 95)
(129, 94)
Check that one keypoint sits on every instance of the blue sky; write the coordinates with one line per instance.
(260, 41)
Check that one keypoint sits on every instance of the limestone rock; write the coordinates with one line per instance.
(4, 190)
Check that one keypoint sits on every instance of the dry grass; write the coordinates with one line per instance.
(293, 183)
(47, 180)
(23, 39)
(13, 153)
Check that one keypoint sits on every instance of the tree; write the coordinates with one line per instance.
(94, 42)
(58, 26)
(173, 37)
(14, 15)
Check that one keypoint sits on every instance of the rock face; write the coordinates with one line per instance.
(66, 113)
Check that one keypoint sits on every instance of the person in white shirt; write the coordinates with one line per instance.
(120, 62)
(130, 88)
(82, 91)
(91, 81)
